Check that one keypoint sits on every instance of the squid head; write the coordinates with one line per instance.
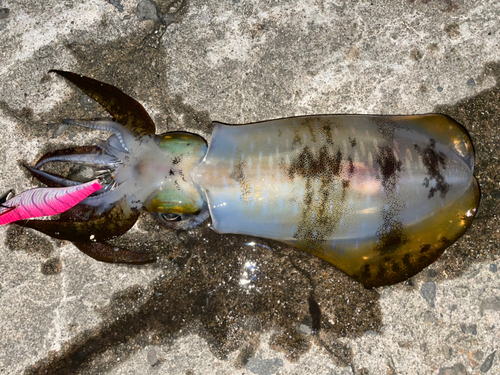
(179, 196)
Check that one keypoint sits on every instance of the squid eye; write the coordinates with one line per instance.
(171, 217)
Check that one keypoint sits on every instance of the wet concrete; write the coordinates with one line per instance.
(212, 303)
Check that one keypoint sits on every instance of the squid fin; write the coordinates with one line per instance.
(126, 110)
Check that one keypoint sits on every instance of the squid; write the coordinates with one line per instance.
(379, 197)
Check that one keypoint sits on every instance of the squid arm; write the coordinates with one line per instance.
(124, 109)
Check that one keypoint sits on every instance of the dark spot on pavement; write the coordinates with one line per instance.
(52, 266)
(450, 5)
(4, 13)
(453, 30)
(29, 241)
(416, 55)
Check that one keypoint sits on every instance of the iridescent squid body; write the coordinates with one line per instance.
(379, 197)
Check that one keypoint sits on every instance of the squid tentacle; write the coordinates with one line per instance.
(51, 179)
(102, 160)
(112, 145)
(73, 154)
(121, 133)
(54, 180)
(69, 151)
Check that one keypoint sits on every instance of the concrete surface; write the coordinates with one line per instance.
(192, 61)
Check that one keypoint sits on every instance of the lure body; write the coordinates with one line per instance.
(380, 197)
(45, 202)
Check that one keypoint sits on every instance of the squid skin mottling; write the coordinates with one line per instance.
(380, 197)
